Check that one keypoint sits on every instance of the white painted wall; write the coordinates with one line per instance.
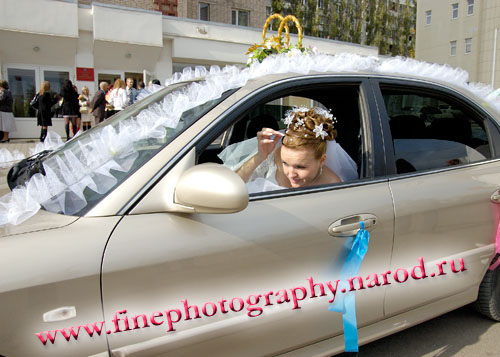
(113, 39)
(59, 18)
(114, 24)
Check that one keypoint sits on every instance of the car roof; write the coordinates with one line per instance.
(282, 66)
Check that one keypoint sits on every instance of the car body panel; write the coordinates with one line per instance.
(43, 220)
(203, 258)
(450, 205)
(61, 268)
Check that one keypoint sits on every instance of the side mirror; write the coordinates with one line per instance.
(211, 188)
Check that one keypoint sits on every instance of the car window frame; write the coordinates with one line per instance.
(371, 136)
(431, 88)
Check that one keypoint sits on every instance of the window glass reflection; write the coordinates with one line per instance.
(22, 87)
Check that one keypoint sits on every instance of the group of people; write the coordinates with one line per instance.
(80, 111)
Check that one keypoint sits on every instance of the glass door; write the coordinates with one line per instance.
(23, 86)
(25, 81)
(109, 77)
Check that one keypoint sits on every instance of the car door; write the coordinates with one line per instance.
(255, 282)
(443, 156)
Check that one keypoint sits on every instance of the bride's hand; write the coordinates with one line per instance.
(267, 138)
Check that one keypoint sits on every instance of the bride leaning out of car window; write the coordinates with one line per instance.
(301, 159)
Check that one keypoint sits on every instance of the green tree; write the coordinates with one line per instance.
(332, 18)
(382, 23)
(276, 8)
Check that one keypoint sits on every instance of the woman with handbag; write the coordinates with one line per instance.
(44, 108)
(84, 99)
(70, 107)
(7, 121)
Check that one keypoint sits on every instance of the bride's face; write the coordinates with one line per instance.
(300, 166)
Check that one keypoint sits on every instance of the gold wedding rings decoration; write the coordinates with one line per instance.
(283, 25)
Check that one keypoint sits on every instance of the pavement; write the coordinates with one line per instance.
(460, 333)
(22, 145)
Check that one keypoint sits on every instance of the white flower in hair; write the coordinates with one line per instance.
(324, 113)
(288, 118)
(318, 129)
(299, 122)
(298, 110)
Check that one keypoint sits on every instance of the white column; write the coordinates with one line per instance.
(163, 68)
(85, 58)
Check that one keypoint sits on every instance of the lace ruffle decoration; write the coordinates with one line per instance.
(88, 161)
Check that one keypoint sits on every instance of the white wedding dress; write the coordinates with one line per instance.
(264, 176)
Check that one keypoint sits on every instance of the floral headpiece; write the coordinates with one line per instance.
(298, 122)
(274, 44)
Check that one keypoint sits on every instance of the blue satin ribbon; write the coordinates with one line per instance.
(345, 302)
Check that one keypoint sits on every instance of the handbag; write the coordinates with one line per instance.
(84, 109)
(35, 102)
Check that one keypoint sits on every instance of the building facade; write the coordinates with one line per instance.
(250, 13)
(461, 33)
(53, 40)
(236, 12)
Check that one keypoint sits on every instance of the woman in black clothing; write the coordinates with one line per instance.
(70, 106)
(7, 121)
(44, 114)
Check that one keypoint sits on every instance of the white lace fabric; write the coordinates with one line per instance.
(88, 163)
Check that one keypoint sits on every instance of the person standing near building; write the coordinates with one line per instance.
(44, 112)
(84, 99)
(7, 121)
(118, 96)
(131, 92)
(98, 103)
(70, 107)
(140, 88)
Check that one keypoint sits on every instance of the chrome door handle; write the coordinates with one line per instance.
(495, 197)
(349, 226)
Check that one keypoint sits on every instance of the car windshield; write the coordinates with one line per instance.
(89, 166)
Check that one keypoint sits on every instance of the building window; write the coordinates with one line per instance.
(470, 7)
(240, 17)
(22, 85)
(428, 15)
(453, 48)
(454, 11)
(204, 11)
(468, 45)
(56, 80)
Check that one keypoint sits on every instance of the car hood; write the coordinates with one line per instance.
(43, 220)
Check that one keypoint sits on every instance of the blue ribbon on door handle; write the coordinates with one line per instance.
(346, 303)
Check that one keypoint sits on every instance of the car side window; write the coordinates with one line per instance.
(342, 100)
(432, 131)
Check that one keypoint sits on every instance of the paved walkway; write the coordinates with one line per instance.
(22, 145)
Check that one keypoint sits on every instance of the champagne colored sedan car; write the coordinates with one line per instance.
(146, 244)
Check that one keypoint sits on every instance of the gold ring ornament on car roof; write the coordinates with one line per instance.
(274, 44)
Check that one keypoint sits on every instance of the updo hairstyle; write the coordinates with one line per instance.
(309, 128)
